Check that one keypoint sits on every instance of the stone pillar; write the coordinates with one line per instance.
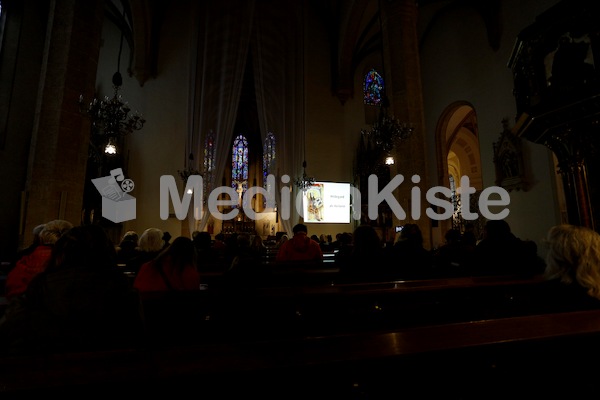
(404, 89)
(574, 150)
(575, 185)
(59, 145)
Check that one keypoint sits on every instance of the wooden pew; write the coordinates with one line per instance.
(220, 314)
(521, 357)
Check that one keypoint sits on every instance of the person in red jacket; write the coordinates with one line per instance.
(300, 247)
(174, 268)
(28, 266)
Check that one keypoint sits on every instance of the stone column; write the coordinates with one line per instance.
(404, 89)
(575, 185)
(59, 145)
(574, 149)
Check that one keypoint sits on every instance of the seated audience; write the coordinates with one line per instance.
(258, 248)
(572, 268)
(150, 244)
(219, 244)
(365, 261)
(173, 269)
(246, 267)
(32, 264)
(407, 258)
(127, 248)
(207, 256)
(344, 246)
(451, 258)
(300, 247)
(166, 239)
(500, 252)
(281, 241)
(80, 302)
(35, 242)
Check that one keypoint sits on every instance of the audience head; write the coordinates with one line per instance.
(129, 238)
(36, 233)
(452, 236)
(300, 228)
(346, 239)
(53, 230)
(181, 252)
(243, 240)
(574, 257)
(282, 240)
(202, 240)
(166, 237)
(365, 238)
(83, 246)
(151, 240)
(412, 234)
(497, 230)
(257, 241)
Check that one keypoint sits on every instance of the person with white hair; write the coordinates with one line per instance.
(572, 271)
(573, 258)
(150, 244)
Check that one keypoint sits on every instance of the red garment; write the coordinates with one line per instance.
(149, 278)
(300, 248)
(26, 268)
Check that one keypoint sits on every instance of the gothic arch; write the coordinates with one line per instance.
(457, 148)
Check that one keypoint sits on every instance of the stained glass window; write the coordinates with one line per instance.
(268, 162)
(268, 157)
(239, 164)
(373, 88)
(209, 160)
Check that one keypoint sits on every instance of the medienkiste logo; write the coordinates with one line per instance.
(119, 206)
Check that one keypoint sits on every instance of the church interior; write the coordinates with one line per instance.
(467, 86)
(189, 106)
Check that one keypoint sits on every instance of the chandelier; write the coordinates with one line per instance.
(304, 182)
(386, 132)
(111, 118)
(189, 171)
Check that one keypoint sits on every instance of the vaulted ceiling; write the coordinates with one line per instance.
(354, 32)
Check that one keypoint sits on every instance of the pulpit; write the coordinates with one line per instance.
(556, 72)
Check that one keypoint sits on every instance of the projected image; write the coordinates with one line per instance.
(314, 201)
(327, 202)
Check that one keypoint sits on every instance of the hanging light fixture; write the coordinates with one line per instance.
(189, 171)
(304, 182)
(111, 117)
(111, 147)
(386, 132)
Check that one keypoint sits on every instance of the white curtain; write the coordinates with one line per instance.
(277, 52)
(226, 31)
(223, 35)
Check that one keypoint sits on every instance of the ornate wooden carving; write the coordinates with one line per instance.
(556, 71)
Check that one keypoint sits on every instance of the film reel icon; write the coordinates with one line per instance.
(127, 185)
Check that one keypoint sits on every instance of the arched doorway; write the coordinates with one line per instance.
(458, 155)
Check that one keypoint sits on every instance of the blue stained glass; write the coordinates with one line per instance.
(373, 88)
(239, 162)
